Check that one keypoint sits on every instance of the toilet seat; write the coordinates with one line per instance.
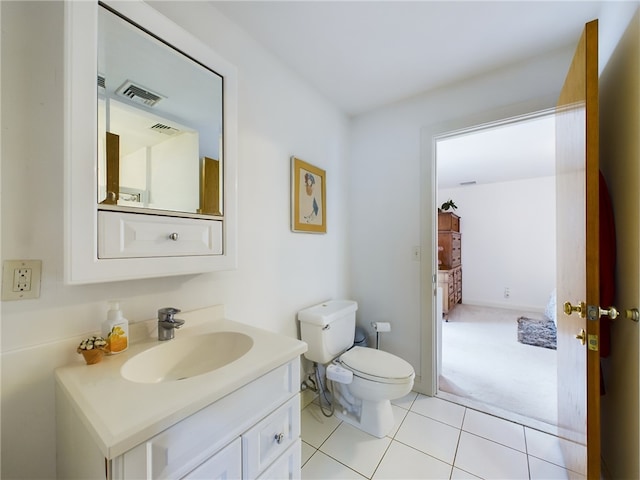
(377, 365)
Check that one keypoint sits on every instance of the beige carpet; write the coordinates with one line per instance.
(482, 361)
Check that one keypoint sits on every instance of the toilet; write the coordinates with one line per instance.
(364, 380)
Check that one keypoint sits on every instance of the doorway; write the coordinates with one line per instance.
(500, 179)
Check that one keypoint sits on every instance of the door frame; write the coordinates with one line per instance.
(427, 381)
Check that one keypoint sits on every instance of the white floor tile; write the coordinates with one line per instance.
(307, 451)
(438, 409)
(549, 448)
(323, 467)
(399, 415)
(356, 449)
(426, 441)
(541, 470)
(402, 461)
(490, 460)
(496, 429)
(458, 474)
(315, 427)
(406, 401)
(429, 436)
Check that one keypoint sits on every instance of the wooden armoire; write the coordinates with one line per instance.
(449, 260)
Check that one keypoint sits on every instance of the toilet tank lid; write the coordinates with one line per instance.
(327, 312)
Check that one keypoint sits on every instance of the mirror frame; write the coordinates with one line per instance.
(82, 264)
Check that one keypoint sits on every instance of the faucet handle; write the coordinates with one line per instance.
(167, 313)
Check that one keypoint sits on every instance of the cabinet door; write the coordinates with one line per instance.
(226, 464)
(270, 438)
(287, 466)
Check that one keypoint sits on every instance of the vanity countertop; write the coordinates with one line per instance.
(121, 414)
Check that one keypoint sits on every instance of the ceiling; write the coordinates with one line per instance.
(362, 55)
(505, 153)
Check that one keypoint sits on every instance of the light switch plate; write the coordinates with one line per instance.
(21, 279)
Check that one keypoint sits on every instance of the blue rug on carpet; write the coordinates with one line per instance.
(537, 332)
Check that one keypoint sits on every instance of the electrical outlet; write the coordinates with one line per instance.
(507, 292)
(21, 279)
(415, 253)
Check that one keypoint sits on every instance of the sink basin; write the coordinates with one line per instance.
(186, 357)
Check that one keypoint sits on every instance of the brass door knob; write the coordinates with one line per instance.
(582, 336)
(569, 309)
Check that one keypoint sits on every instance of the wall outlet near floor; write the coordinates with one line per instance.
(21, 279)
(507, 292)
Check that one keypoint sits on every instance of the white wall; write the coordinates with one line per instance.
(508, 241)
(278, 272)
(386, 183)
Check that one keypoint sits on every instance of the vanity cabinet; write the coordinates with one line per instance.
(251, 433)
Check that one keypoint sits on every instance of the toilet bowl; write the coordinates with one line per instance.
(368, 380)
(378, 378)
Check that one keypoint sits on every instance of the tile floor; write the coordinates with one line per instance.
(432, 439)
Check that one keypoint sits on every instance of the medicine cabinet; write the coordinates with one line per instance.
(150, 147)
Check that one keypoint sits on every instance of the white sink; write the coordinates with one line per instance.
(186, 357)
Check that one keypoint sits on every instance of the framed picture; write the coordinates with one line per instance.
(308, 197)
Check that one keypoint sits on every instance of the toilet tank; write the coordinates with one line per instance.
(328, 329)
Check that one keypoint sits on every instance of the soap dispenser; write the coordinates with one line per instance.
(115, 329)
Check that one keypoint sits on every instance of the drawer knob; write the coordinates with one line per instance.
(174, 236)
(279, 438)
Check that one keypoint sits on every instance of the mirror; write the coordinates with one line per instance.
(160, 124)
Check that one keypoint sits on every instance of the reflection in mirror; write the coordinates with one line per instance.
(159, 124)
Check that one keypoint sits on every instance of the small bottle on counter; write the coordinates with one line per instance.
(115, 329)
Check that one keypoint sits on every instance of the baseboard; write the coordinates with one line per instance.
(506, 306)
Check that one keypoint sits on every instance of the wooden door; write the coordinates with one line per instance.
(577, 173)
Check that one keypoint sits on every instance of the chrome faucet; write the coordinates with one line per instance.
(167, 324)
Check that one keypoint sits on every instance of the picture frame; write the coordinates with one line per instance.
(308, 197)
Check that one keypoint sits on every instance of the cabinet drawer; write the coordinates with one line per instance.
(130, 235)
(227, 463)
(287, 466)
(270, 438)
